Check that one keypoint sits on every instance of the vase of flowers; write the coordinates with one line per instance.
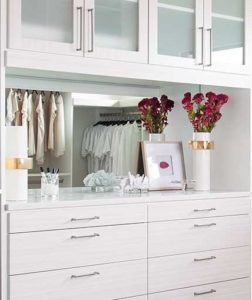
(203, 113)
(154, 115)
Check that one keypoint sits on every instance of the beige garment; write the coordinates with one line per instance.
(24, 110)
(35, 99)
(40, 155)
(51, 118)
(19, 103)
(59, 128)
(46, 106)
(30, 119)
(11, 108)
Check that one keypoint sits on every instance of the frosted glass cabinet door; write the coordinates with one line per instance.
(176, 32)
(51, 26)
(226, 32)
(117, 29)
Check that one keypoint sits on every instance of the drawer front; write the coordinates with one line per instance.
(184, 236)
(198, 209)
(63, 218)
(41, 251)
(103, 282)
(181, 271)
(230, 290)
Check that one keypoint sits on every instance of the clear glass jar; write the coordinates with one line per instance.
(50, 187)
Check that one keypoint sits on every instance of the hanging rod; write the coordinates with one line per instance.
(120, 114)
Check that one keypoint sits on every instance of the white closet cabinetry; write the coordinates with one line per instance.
(131, 248)
(93, 28)
(45, 26)
(202, 34)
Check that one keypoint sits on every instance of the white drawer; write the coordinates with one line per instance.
(62, 218)
(198, 209)
(180, 271)
(184, 236)
(114, 281)
(230, 290)
(48, 250)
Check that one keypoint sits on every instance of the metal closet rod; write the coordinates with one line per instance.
(120, 114)
(36, 92)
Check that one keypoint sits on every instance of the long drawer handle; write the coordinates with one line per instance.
(91, 13)
(85, 275)
(206, 258)
(205, 293)
(206, 209)
(84, 236)
(80, 12)
(204, 225)
(85, 219)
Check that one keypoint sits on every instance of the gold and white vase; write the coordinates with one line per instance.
(201, 146)
(156, 137)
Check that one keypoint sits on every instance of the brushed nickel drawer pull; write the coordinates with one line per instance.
(205, 293)
(85, 219)
(202, 210)
(84, 236)
(204, 259)
(204, 225)
(85, 275)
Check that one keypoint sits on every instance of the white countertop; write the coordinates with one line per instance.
(74, 197)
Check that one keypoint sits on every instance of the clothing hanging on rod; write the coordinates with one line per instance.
(112, 145)
(60, 143)
(40, 153)
(42, 116)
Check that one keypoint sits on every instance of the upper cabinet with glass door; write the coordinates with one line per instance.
(176, 32)
(109, 29)
(49, 26)
(209, 34)
(117, 29)
(226, 35)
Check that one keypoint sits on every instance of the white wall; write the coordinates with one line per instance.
(83, 118)
(230, 161)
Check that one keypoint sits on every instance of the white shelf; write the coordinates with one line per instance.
(38, 174)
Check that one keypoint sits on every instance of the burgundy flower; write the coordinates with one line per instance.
(154, 113)
(204, 113)
(198, 98)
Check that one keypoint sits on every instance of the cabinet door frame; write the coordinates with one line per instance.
(140, 56)
(226, 67)
(155, 58)
(16, 41)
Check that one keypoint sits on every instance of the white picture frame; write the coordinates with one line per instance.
(164, 165)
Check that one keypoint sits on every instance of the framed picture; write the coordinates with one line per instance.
(164, 165)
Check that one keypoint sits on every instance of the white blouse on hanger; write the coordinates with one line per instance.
(59, 128)
(52, 109)
(11, 108)
(24, 110)
(40, 155)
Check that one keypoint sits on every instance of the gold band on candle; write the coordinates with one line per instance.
(18, 163)
(201, 145)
